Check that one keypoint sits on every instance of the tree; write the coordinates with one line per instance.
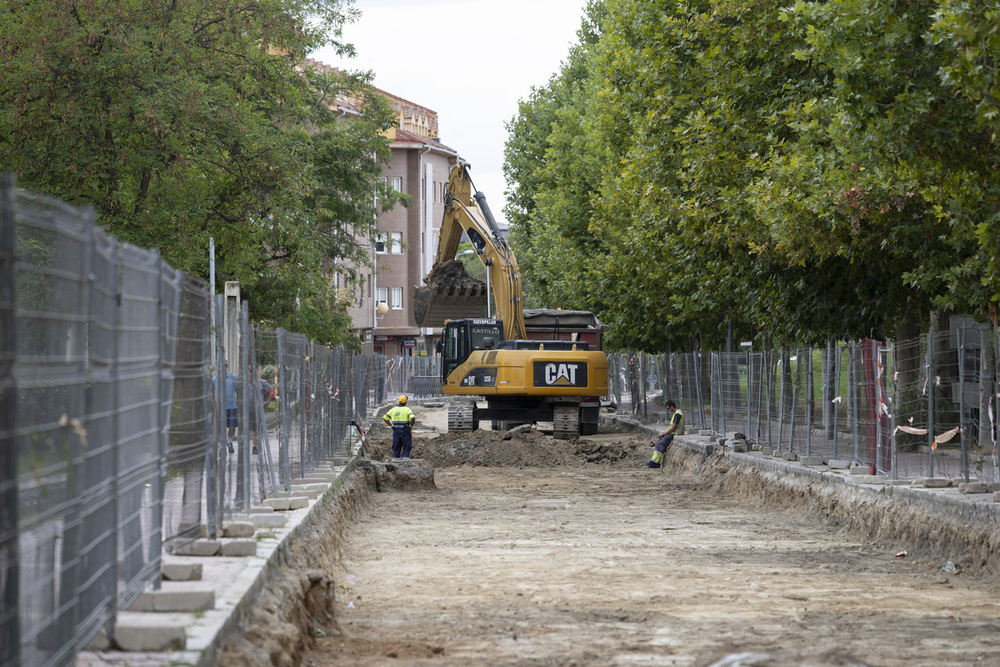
(553, 161)
(798, 173)
(190, 119)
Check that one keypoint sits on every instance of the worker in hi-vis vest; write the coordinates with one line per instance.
(675, 427)
(401, 419)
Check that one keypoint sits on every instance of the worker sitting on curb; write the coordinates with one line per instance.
(401, 419)
(676, 427)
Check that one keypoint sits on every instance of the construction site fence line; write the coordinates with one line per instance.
(906, 410)
(127, 429)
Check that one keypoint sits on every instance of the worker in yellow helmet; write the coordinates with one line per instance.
(676, 427)
(401, 419)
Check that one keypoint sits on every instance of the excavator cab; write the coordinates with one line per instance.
(463, 337)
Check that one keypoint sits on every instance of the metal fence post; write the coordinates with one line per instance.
(243, 491)
(305, 406)
(929, 383)
(961, 403)
(10, 634)
(852, 379)
(839, 356)
(783, 359)
(892, 416)
(809, 399)
(284, 427)
(749, 385)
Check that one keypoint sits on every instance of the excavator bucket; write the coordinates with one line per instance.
(451, 294)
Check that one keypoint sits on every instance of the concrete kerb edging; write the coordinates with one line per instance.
(936, 501)
(206, 633)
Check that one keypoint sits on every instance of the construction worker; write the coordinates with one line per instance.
(675, 427)
(401, 419)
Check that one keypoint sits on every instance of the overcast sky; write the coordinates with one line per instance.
(471, 61)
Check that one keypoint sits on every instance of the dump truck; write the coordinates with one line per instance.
(551, 371)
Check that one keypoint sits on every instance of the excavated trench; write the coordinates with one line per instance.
(313, 611)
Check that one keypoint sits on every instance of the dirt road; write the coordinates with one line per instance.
(578, 563)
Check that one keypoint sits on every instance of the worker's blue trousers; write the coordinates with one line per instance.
(402, 442)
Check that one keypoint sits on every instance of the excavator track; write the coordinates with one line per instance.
(565, 422)
(461, 417)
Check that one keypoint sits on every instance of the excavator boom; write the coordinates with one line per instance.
(450, 293)
(557, 380)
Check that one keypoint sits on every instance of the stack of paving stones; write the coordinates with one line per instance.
(191, 612)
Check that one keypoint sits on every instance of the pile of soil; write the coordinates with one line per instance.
(452, 274)
(519, 449)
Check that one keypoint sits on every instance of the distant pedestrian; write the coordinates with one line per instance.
(401, 419)
(266, 397)
(232, 406)
(675, 427)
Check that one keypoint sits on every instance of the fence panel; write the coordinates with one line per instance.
(190, 421)
(54, 245)
(10, 633)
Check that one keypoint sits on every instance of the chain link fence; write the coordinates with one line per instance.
(120, 441)
(115, 445)
(919, 408)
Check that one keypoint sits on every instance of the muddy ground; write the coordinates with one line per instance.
(532, 551)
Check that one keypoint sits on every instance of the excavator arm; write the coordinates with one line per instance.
(449, 293)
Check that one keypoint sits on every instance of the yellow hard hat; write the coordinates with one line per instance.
(402, 400)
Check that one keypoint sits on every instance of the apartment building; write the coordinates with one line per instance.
(404, 252)
(408, 238)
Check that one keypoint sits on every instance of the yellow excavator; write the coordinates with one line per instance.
(523, 379)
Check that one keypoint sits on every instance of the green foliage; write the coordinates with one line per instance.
(191, 119)
(800, 172)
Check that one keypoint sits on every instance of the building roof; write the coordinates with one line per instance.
(403, 137)
(418, 125)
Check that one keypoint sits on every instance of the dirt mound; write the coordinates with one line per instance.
(522, 449)
(452, 274)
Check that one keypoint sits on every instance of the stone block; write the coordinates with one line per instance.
(736, 435)
(199, 529)
(142, 632)
(322, 487)
(199, 548)
(308, 493)
(812, 460)
(738, 446)
(705, 431)
(838, 464)
(272, 520)
(932, 483)
(316, 477)
(100, 642)
(297, 502)
(182, 571)
(239, 548)
(237, 529)
(869, 479)
(973, 487)
(261, 509)
(165, 600)
(790, 456)
(277, 504)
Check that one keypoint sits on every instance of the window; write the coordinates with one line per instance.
(382, 295)
(397, 298)
(397, 183)
(396, 243)
(380, 243)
